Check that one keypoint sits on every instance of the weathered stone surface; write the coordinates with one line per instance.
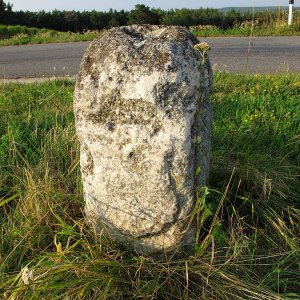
(143, 120)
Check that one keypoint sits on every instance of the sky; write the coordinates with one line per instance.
(104, 5)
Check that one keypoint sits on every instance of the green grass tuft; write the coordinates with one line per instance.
(21, 35)
(248, 218)
(269, 30)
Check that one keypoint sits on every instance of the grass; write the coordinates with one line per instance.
(248, 245)
(270, 30)
(21, 35)
(7, 31)
(276, 25)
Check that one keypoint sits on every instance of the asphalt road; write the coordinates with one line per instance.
(239, 55)
(257, 55)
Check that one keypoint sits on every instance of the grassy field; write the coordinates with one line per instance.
(249, 238)
(274, 30)
(21, 35)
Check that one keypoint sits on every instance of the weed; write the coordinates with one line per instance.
(21, 35)
(248, 218)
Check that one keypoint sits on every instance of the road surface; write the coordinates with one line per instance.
(239, 55)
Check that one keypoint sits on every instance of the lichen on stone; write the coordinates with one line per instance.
(141, 104)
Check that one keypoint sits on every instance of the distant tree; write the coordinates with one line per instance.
(143, 15)
(117, 18)
(71, 21)
(99, 20)
(189, 17)
(5, 7)
(43, 19)
(89, 20)
(84, 21)
(5, 12)
(2, 6)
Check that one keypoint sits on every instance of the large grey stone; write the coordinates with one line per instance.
(143, 119)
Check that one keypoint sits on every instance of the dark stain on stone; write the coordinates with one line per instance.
(113, 109)
(110, 126)
(88, 168)
(88, 62)
(132, 33)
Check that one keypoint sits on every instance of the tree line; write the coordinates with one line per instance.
(77, 21)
